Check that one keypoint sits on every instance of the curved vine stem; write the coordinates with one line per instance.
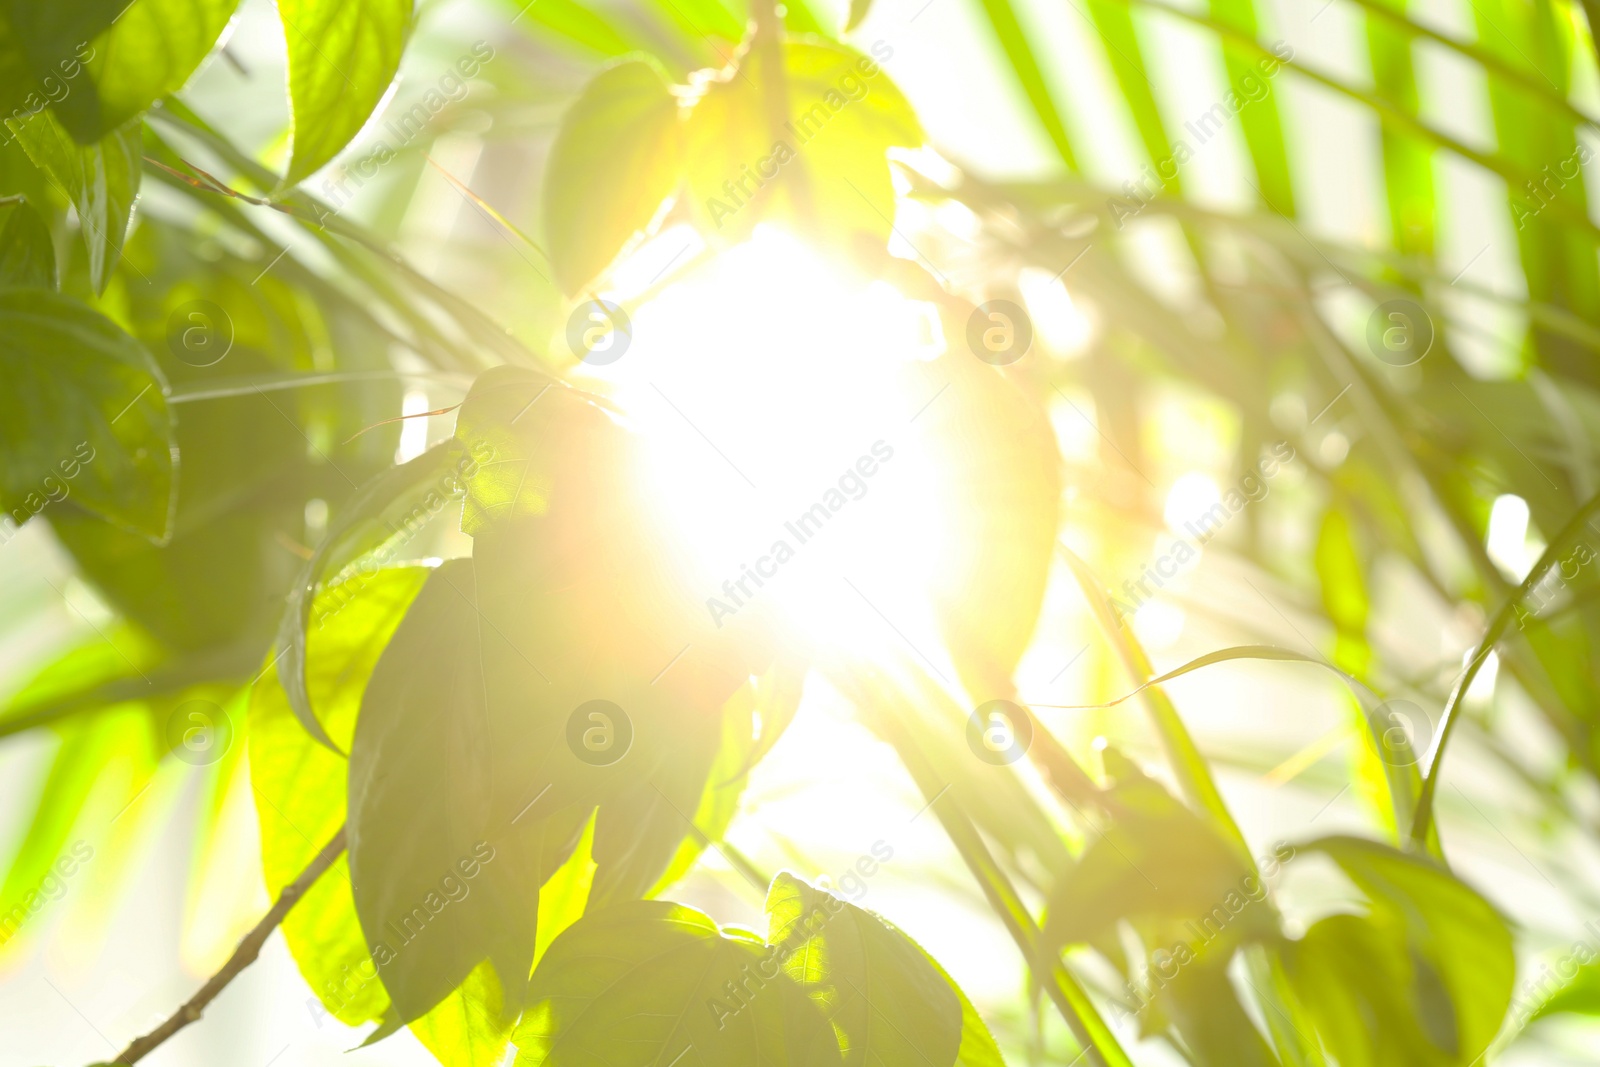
(243, 956)
(1422, 821)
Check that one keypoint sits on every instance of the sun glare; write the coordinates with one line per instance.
(777, 393)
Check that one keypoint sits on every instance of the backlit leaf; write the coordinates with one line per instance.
(824, 168)
(1424, 977)
(616, 157)
(150, 51)
(886, 1002)
(300, 788)
(101, 180)
(654, 982)
(467, 1028)
(343, 56)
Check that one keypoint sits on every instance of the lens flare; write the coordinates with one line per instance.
(777, 394)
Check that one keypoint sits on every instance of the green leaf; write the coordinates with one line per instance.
(447, 765)
(605, 33)
(118, 667)
(995, 449)
(382, 513)
(656, 982)
(86, 415)
(150, 51)
(419, 804)
(617, 156)
(498, 418)
(825, 169)
(1425, 977)
(299, 787)
(978, 1048)
(1362, 989)
(245, 478)
(563, 899)
(1025, 65)
(1407, 162)
(771, 704)
(1200, 1006)
(27, 253)
(468, 1028)
(1579, 995)
(1162, 868)
(1260, 123)
(88, 752)
(100, 180)
(343, 56)
(639, 832)
(858, 14)
(888, 1005)
(41, 45)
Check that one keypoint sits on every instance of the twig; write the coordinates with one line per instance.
(242, 957)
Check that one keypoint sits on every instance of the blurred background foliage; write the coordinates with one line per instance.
(1208, 211)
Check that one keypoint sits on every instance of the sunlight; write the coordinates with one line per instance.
(1062, 326)
(414, 431)
(1191, 495)
(776, 392)
(1507, 539)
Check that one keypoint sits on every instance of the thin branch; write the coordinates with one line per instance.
(242, 957)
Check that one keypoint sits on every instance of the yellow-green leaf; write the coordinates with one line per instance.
(150, 51)
(343, 56)
(300, 786)
(617, 156)
(824, 169)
